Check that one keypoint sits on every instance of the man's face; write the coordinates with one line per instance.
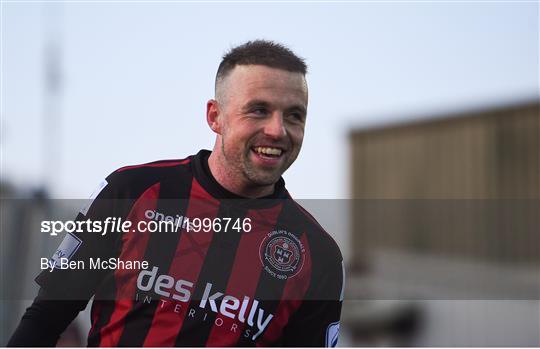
(262, 119)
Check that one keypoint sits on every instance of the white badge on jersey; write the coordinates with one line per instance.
(67, 249)
(332, 334)
(96, 192)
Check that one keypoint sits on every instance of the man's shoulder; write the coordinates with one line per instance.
(152, 167)
(321, 241)
(134, 178)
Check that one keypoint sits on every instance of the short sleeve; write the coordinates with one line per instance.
(69, 275)
(316, 322)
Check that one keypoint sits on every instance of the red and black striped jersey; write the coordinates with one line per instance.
(235, 272)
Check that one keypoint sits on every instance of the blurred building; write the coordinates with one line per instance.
(447, 209)
(485, 155)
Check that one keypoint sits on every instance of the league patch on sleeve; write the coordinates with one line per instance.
(332, 334)
(67, 249)
(96, 192)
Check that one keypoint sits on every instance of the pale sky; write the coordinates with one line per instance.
(136, 77)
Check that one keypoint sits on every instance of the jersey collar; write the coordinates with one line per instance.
(206, 179)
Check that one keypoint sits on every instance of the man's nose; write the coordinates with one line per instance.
(275, 127)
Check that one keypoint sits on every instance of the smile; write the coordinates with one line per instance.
(268, 151)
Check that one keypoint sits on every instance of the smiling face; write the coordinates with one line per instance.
(259, 118)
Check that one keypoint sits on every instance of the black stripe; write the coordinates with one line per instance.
(159, 253)
(124, 201)
(269, 288)
(104, 316)
(215, 270)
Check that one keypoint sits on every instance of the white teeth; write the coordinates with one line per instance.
(268, 151)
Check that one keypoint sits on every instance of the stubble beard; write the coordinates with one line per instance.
(241, 164)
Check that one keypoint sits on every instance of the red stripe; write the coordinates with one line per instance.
(161, 164)
(186, 265)
(244, 275)
(133, 247)
(291, 299)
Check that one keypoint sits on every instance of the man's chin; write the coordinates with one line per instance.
(263, 182)
(263, 179)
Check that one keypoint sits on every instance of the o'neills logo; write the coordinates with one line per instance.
(178, 221)
(282, 254)
(230, 306)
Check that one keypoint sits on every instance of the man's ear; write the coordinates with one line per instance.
(213, 117)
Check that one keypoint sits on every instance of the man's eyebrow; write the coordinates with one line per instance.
(261, 103)
(298, 108)
(255, 103)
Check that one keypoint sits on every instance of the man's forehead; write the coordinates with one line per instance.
(256, 70)
(254, 77)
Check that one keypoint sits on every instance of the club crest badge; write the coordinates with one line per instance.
(282, 254)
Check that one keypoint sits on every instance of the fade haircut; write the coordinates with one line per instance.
(259, 52)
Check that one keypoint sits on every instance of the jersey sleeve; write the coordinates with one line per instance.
(316, 322)
(44, 321)
(80, 281)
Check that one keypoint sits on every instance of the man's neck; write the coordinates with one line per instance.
(234, 184)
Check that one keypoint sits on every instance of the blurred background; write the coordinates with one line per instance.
(423, 131)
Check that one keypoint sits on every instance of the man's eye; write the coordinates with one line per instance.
(259, 111)
(297, 116)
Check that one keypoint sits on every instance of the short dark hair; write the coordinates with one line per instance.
(261, 52)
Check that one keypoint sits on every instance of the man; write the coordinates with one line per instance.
(247, 265)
